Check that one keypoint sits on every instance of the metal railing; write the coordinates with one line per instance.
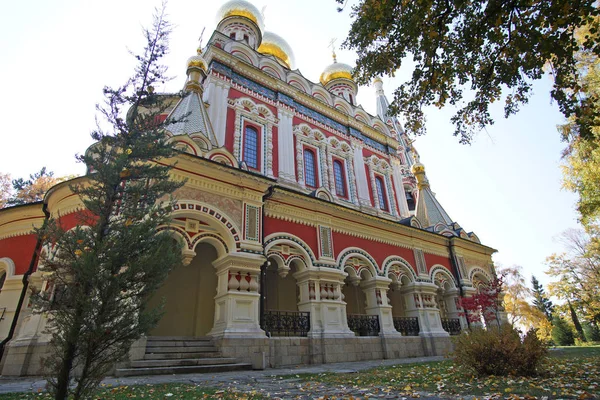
(287, 323)
(407, 326)
(364, 325)
(451, 325)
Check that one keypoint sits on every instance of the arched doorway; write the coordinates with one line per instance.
(188, 295)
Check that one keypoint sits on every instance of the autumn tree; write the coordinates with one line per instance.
(576, 274)
(581, 171)
(521, 311)
(540, 300)
(22, 191)
(102, 272)
(470, 54)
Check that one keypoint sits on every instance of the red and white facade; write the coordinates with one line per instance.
(299, 206)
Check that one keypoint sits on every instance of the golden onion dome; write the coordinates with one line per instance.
(240, 8)
(197, 61)
(277, 47)
(336, 71)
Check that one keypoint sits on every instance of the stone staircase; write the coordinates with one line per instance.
(166, 355)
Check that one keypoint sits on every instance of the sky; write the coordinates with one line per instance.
(57, 56)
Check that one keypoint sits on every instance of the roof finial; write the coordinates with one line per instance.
(332, 45)
(199, 50)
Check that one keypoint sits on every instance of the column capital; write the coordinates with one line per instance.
(241, 261)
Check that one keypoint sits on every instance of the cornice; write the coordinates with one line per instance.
(20, 220)
(297, 208)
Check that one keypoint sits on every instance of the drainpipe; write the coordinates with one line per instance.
(263, 268)
(32, 264)
(456, 274)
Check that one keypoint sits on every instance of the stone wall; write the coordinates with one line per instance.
(283, 351)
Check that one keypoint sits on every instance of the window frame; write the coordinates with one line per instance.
(381, 193)
(344, 178)
(315, 153)
(258, 157)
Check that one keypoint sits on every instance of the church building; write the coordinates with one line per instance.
(311, 234)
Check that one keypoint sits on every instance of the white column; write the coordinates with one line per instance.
(377, 304)
(237, 299)
(285, 146)
(361, 175)
(399, 186)
(420, 302)
(217, 97)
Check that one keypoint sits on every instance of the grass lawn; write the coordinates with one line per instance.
(162, 391)
(571, 372)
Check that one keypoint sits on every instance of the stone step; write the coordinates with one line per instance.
(181, 355)
(182, 362)
(181, 370)
(178, 343)
(191, 349)
(152, 338)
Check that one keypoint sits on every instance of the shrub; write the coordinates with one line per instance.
(592, 332)
(562, 333)
(500, 351)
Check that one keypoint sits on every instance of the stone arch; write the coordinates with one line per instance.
(242, 52)
(477, 273)
(399, 267)
(228, 235)
(276, 243)
(8, 266)
(446, 276)
(298, 82)
(222, 156)
(272, 68)
(358, 259)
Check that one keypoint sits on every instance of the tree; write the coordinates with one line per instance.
(562, 334)
(577, 273)
(4, 189)
(581, 171)
(520, 311)
(540, 300)
(21, 191)
(472, 53)
(102, 272)
(485, 304)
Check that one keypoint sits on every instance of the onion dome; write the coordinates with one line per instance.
(336, 71)
(240, 8)
(197, 61)
(277, 47)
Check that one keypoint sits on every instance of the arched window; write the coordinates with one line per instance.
(310, 168)
(340, 179)
(381, 197)
(251, 147)
(410, 200)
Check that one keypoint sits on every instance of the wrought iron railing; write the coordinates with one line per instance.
(287, 323)
(408, 326)
(451, 325)
(364, 325)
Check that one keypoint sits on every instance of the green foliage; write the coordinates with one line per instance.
(592, 332)
(102, 272)
(472, 53)
(540, 300)
(500, 351)
(562, 333)
(21, 191)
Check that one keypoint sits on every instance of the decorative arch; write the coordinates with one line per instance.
(474, 271)
(361, 116)
(446, 275)
(400, 266)
(187, 144)
(321, 94)
(272, 67)
(7, 265)
(298, 81)
(343, 106)
(229, 235)
(242, 52)
(222, 156)
(358, 259)
(382, 167)
(275, 244)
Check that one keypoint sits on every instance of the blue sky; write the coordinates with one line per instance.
(57, 56)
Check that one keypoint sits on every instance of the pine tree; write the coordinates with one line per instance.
(562, 333)
(103, 271)
(540, 300)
